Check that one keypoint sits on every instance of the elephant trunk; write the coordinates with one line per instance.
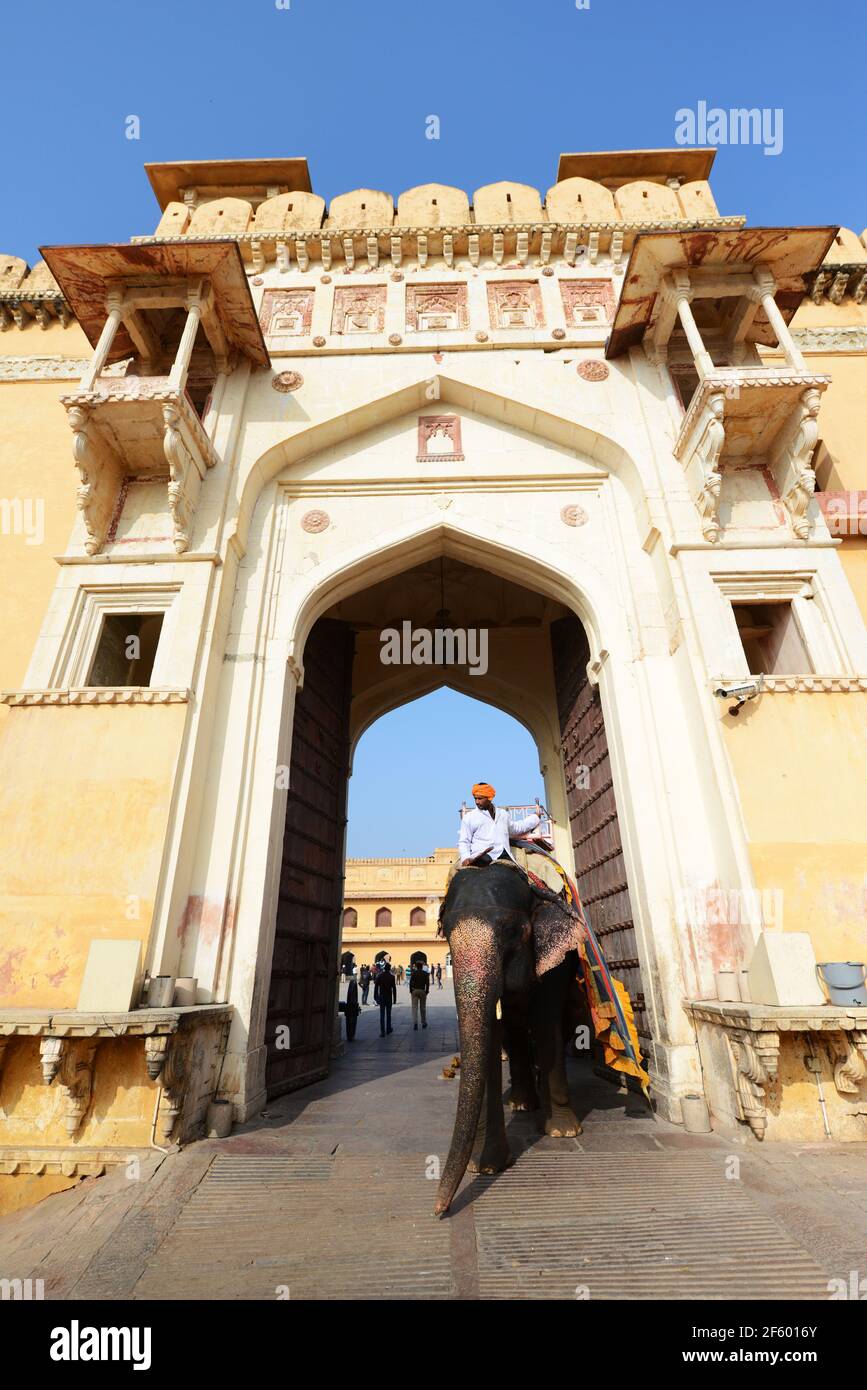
(477, 988)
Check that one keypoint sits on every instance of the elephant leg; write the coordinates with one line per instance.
(491, 1152)
(559, 1119)
(518, 984)
(522, 1090)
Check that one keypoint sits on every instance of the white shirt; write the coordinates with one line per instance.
(482, 833)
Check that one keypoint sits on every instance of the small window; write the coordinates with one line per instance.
(350, 918)
(771, 639)
(383, 917)
(126, 649)
(418, 917)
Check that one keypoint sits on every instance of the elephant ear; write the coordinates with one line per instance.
(555, 932)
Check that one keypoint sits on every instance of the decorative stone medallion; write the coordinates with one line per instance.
(319, 342)
(559, 333)
(315, 521)
(592, 370)
(481, 337)
(395, 339)
(257, 280)
(573, 515)
(325, 279)
(287, 381)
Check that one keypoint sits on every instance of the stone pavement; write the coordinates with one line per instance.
(329, 1194)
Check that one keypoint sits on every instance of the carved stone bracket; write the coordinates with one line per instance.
(51, 1052)
(174, 1077)
(700, 451)
(76, 1080)
(850, 1065)
(756, 1058)
(791, 460)
(185, 477)
(100, 478)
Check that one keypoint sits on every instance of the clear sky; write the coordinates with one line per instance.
(414, 767)
(351, 84)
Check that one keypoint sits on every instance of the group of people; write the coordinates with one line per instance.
(367, 975)
(385, 979)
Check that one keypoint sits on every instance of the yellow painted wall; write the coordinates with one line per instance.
(122, 1103)
(84, 802)
(841, 422)
(800, 761)
(35, 464)
(853, 558)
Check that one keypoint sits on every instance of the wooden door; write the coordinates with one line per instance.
(310, 907)
(599, 863)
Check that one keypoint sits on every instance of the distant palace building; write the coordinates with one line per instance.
(393, 905)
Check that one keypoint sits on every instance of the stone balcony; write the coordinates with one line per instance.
(758, 415)
(137, 426)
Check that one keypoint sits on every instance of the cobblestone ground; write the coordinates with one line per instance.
(329, 1194)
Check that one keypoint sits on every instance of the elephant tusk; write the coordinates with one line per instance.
(498, 1012)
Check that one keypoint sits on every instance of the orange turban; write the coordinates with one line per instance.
(484, 789)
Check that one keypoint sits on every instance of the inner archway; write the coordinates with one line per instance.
(376, 649)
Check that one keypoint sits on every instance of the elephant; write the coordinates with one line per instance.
(507, 945)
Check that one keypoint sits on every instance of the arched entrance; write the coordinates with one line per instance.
(530, 657)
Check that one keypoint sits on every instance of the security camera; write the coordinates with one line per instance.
(740, 691)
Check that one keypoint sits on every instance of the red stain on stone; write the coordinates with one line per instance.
(8, 966)
(207, 917)
(57, 979)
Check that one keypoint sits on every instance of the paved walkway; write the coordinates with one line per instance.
(330, 1194)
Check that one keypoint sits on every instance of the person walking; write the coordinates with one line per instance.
(419, 984)
(351, 1009)
(365, 983)
(439, 977)
(385, 994)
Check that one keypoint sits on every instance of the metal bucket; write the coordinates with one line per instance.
(844, 981)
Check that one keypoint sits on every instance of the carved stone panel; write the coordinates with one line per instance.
(358, 309)
(436, 308)
(587, 301)
(439, 437)
(515, 304)
(286, 314)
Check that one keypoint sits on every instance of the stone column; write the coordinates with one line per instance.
(114, 305)
(765, 286)
(682, 296)
(181, 364)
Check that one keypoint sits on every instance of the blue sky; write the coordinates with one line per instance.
(350, 85)
(414, 767)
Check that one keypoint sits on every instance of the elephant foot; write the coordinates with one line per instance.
(523, 1098)
(562, 1123)
(491, 1160)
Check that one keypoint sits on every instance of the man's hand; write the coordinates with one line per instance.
(465, 863)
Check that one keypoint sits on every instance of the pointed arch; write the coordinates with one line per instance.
(521, 412)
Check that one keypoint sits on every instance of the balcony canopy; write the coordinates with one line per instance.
(86, 275)
(718, 263)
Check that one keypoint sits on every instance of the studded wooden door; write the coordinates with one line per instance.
(307, 939)
(599, 863)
